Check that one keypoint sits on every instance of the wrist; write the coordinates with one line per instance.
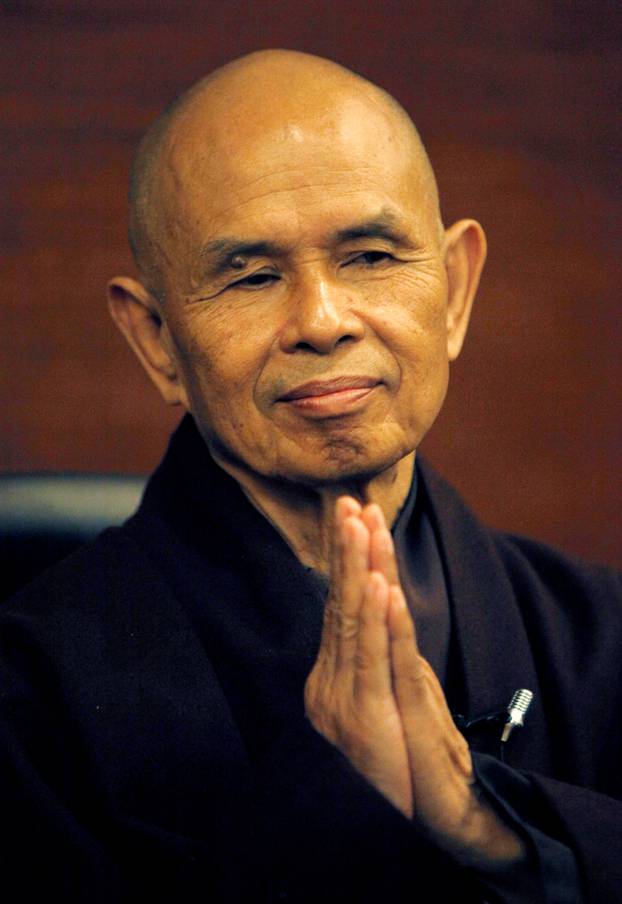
(485, 840)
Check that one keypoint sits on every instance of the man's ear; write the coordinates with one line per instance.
(136, 313)
(465, 253)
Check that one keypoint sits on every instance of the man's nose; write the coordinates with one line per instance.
(321, 318)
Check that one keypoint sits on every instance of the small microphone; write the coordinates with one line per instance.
(517, 710)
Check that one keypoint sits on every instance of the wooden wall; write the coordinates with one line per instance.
(519, 104)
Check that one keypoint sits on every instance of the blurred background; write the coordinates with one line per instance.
(519, 105)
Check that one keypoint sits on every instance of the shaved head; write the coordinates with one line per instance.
(285, 222)
(279, 91)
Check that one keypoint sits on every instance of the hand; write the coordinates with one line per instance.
(374, 696)
(349, 695)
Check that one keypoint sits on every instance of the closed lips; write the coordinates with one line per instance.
(326, 387)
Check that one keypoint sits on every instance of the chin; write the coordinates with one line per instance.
(341, 461)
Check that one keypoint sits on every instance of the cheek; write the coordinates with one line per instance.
(414, 299)
(220, 360)
(411, 320)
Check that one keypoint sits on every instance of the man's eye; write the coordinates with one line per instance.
(255, 281)
(371, 258)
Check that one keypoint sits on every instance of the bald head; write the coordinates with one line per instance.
(287, 95)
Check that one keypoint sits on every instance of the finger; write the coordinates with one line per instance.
(406, 661)
(415, 684)
(345, 507)
(373, 517)
(346, 592)
(382, 555)
(381, 551)
(372, 664)
(439, 757)
(347, 596)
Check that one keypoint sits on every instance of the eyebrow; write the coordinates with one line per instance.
(383, 226)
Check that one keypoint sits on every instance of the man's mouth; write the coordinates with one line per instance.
(330, 397)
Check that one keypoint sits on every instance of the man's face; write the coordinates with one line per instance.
(306, 295)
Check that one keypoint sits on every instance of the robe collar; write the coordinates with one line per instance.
(239, 579)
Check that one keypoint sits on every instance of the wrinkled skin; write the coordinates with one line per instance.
(294, 227)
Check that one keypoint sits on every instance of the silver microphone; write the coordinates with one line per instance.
(517, 710)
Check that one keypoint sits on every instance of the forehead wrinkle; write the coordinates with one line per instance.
(326, 178)
(213, 259)
(386, 210)
(251, 172)
(253, 80)
(385, 223)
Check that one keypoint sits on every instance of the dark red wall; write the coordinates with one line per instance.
(519, 104)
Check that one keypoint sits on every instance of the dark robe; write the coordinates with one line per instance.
(153, 738)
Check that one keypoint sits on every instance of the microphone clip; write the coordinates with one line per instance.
(510, 717)
(516, 712)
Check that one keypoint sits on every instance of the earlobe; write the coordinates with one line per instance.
(136, 313)
(465, 253)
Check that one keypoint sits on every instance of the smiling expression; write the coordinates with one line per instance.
(305, 283)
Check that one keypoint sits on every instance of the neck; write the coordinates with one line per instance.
(304, 516)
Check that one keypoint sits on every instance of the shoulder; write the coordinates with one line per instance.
(99, 605)
(563, 572)
(109, 564)
(539, 574)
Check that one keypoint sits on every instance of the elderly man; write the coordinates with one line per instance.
(226, 699)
